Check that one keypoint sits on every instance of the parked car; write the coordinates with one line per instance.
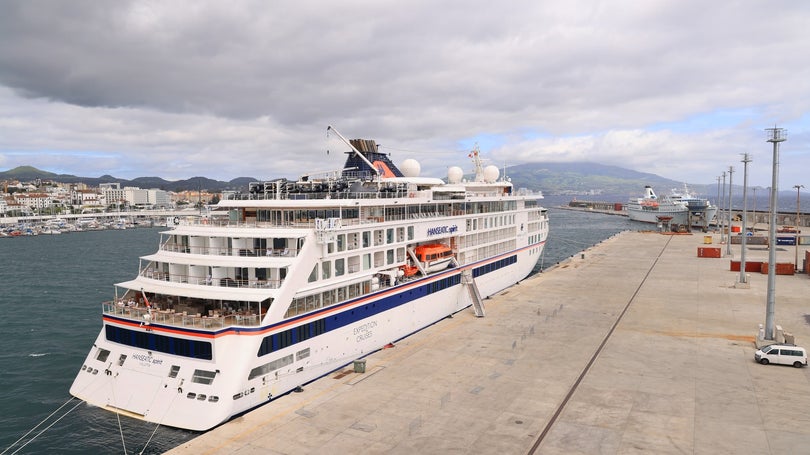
(783, 354)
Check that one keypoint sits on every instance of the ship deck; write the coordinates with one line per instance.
(636, 345)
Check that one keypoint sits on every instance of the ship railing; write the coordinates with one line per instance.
(210, 281)
(211, 320)
(225, 251)
(313, 195)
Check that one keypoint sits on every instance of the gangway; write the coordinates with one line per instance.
(477, 302)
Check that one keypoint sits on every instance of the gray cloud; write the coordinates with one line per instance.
(198, 88)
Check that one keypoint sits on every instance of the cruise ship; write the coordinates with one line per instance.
(701, 210)
(652, 209)
(294, 279)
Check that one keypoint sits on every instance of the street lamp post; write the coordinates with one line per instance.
(723, 233)
(744, 229)
(728, 244)
(717, 203)
(798, 223)
(754, 227)
(775, 136)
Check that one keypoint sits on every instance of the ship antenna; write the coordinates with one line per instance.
(363, 157)
(477, 166)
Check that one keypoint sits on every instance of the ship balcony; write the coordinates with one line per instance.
(206, 281)
(217, 251)
(212, 320)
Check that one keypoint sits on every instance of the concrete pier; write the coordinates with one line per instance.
(635, 345)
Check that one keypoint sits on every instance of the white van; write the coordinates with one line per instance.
(783, 354)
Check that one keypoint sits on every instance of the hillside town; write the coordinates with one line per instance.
(45, 197)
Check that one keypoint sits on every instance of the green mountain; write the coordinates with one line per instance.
(29, 173)
(550, 178)
(26, 173)
(560, 178)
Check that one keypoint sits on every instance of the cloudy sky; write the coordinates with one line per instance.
(179, 89)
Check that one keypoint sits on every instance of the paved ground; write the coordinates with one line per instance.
(674, 375)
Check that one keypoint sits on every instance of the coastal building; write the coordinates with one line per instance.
(87, 198)
(147, 198)
(35, 201)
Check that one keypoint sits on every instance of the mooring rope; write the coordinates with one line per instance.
(37, 426)
(46, 428)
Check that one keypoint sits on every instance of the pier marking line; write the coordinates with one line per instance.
(592, 360)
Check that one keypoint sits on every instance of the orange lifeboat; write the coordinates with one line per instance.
(434, 256)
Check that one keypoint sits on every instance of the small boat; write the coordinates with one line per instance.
(434, 256)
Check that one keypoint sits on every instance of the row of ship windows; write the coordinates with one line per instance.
(484, 269)
(160, 343)
(535, 239)
(474, 224)
(390, 212)
(486, 237)
(354, 264)
(537, 225)
(366, 239)
(487, 250)
(330, 297)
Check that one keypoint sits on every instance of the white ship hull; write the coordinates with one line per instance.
(652, 209)
(239, 310)
(654, 216)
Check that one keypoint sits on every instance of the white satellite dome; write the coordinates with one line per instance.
(491, 173)
(410, 168)
(454, 174)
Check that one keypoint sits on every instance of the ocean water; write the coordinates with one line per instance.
(51, 289)
(50, 314)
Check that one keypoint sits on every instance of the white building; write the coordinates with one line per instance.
(113, 194)
(147, 198)
(35, 201)
(88, 199)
